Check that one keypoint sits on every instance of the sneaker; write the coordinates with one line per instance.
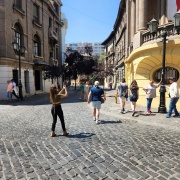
(148, 112)
(98, 122)
(94, 118)
(167, 116)
(176, 115)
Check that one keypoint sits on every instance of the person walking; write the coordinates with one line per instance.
(123, 94)
(134, 95)
(14, 92)
(174, 97)
(56, 110)
(95, 95)
(150, 90)
(9, 91)
(86, 90)
(81, 90)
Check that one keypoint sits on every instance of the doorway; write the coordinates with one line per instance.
(37, 80)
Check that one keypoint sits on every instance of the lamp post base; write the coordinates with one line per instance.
(20, 92)
(162, 110)
(162, 104)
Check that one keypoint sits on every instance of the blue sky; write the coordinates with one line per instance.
(89, 20)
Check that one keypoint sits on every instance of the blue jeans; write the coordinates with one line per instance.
(149, 101)
(9, 95)
(172, 107)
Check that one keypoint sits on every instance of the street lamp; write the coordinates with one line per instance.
(19, 50)
(153, 28)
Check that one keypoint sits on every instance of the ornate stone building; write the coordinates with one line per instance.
(138, 51)
(35, 24)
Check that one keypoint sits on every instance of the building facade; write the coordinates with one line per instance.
(97, 47)
(34, 24)
(139, 51)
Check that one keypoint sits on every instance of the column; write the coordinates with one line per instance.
(133, 18)
(163, 13)
(137, 15)
(143, 14)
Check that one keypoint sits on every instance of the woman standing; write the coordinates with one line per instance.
(86, 90)
(150, 90)
(56, 110)
(134, 95)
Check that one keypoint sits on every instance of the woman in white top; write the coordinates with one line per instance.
(150, 90)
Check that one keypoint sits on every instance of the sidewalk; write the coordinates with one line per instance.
(155, 119)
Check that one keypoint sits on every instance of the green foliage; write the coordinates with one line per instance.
(53, 72)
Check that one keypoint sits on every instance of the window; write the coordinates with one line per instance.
(57, 53)
(18, 4)
(37, 46)
(36, 13)
(56, 7)
(18, 37)
(50, 22)
(169, 72)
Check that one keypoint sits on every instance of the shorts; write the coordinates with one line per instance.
(96, 104)
(132, 100)
(122, 99)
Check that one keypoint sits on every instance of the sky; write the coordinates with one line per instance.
(89, 20)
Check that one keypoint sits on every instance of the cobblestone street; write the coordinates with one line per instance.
(115, 149)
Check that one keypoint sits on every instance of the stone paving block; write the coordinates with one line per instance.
(144, 151)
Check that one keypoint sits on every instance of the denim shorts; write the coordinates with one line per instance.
(132, 100)
(96, 104)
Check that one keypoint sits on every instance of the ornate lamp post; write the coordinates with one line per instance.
(19, 50)
(153, 27)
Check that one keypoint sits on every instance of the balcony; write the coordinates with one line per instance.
(147, 36)
(36, 22)
(53, 37)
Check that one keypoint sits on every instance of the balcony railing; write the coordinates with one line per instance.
(147, 36)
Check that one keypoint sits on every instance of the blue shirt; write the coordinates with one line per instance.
(96, 93)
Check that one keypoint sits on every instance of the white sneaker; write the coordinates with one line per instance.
(94, 118)
(98, 121)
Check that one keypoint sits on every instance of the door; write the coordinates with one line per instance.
(37, 80)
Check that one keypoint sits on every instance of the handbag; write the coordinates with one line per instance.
(102, 100)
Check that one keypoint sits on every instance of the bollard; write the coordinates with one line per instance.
(116, 96)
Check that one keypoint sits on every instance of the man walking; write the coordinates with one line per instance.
(174, 97)
(123, 94)
(96, 93)
(14, 92)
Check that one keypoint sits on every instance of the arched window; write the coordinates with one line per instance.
(37, 46)
(18, 34)
(169, 72)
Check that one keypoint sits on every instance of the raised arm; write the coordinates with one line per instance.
(65, 92)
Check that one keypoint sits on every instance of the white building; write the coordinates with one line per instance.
(98, 49)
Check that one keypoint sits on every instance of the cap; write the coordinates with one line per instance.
(96, 83)
(171, 78)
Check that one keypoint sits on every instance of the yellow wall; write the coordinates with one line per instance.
(144, 61)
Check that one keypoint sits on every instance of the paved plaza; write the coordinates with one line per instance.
(122, 147)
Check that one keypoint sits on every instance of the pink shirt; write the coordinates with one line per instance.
(10, 87)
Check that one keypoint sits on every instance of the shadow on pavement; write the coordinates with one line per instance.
(80, 135)
(111, 122)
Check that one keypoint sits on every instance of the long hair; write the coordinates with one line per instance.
(53, 92)
(134, 85)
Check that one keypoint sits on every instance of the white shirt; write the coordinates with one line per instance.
(173, 90)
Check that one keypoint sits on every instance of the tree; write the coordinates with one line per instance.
(53, 72)
(102, 71)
